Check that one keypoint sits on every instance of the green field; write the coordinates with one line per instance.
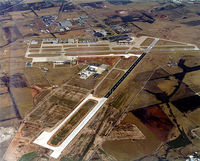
(29, 156)
(63, 101)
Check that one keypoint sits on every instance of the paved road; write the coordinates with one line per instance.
(130, 69)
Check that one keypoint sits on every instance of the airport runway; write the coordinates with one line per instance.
(45, 136)
(131, 68)
(43, 139)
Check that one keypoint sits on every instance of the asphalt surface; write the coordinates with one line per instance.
(130, 69)
(124, 76)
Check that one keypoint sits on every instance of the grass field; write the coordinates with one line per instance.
(5, 100)
(125, 63)
(57, 106)
(99, 44)
(120, 48)
(172, 47)
(43, 55)
(124, 150)
(59, 76)
(47, 49)
(41, 95)
(35, 77)
(24, 99)
(147, 42)
(34, 46)
(114, 74)
(110, 80)
(51, 47)
(165, 42)
(7, 112)
(193, 80)
(131, 85)
(88, 49)
(70, 45)
(34, 50)
(29, 157)
(63, 101)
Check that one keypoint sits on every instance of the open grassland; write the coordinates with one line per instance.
(147, 42)
(97, 53)
(24, 100)
(108, 82)
(120, 48)
(114, 74)
(155, 120)
(7, 112)
(125, 63)
(51, 50)
(130, 87)
(99, 44)
(173, 47)
(61, 75)
(51, 47)
(43, 55)
(193, 80)
(34, 46)
(34, 50)
(29, 156)
(69, 45)
(88, 49)
(124, 150)
(163, 58)
(63, 101)
(36, 77)
(57, 106)
(41, 95)
(5, 100)
(134, 48)
(166, 42)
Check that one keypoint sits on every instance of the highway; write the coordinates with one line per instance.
(131, 68)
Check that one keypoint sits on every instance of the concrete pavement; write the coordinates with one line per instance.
(44, 137)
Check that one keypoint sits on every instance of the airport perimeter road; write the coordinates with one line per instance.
(131, 68)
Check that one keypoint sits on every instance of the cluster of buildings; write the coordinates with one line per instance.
(100, 32)
(65, 25)
(61, 41)
(93, 69)
(70, 41)
(120, 29)
(188, 1)
(68, 24)
(123, 39)
(52, 40)
(49, 19)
